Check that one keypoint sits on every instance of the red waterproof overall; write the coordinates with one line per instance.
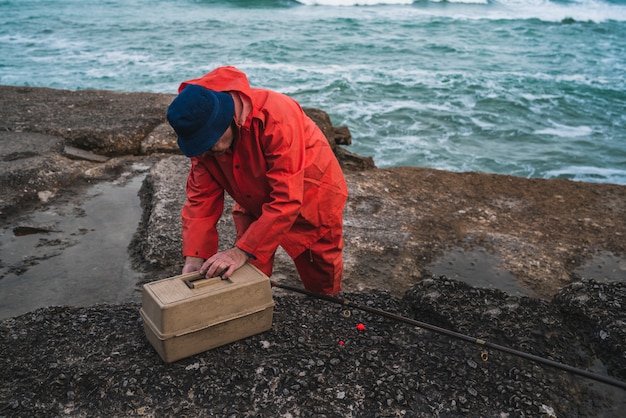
(287, 184)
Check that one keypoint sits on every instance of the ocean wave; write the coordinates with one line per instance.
(589, 174)
(348, 3)
(353, 2)
(565, 131)
(533, 3)
(567, 11)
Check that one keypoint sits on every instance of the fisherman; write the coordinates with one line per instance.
(258, 146)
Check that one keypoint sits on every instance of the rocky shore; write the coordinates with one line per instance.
(536, 265)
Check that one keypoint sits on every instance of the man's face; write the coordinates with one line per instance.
(223, 143)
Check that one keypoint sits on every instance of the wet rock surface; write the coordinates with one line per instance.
(105, 122)
(560, 242)
(401, 224)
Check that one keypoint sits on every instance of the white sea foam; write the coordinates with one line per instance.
(589, 174)
(482, 124)
(49, 41)
(565, 131)
(352, 2)
(547, 10)
(537, 97)
(462, 1)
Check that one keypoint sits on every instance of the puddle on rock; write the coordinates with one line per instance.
(478, 268)
(604, 267)
(74, 252)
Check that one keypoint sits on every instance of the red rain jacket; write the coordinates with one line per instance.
(287, 184)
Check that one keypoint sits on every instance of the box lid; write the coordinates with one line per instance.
(173, 308)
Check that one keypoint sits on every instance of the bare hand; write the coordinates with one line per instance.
(224, 263)
(192, 264)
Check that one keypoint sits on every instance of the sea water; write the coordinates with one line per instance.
(531, 88)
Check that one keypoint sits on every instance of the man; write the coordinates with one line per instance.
(261, 148)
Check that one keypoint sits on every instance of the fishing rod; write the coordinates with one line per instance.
(604, 379)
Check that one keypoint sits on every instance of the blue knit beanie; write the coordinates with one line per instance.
(200, 117)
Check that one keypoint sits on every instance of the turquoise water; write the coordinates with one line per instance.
(532, 88)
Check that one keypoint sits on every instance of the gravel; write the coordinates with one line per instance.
(96, 361)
